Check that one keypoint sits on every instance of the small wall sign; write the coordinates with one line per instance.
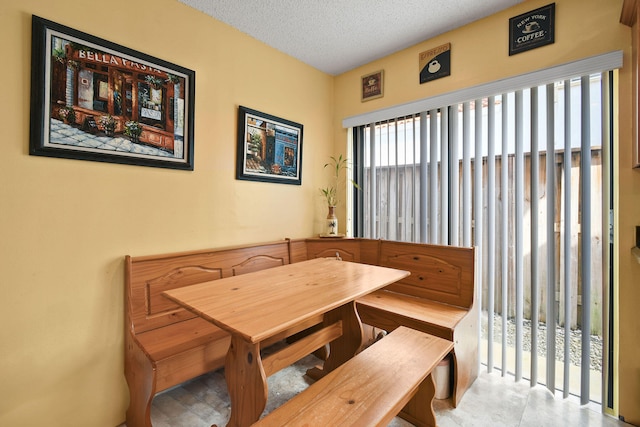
(372, 86)
(435, 63)
(532, 29)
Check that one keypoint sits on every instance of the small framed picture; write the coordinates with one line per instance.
(269, 148)
(372, 85)
(435, 63)
(532, 29)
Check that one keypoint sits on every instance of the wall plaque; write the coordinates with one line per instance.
(372, 86)
(532, 29)
(435, 63)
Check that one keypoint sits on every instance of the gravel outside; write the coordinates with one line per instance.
(575, 341)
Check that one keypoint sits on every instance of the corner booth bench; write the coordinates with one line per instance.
(437, 298)
(166, 345)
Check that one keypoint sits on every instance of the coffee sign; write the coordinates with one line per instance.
(435, 63)
(372, 86)
(532, 29)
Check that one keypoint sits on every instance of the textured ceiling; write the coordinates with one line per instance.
(335, 36)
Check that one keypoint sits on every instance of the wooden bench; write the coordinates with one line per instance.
(391, 377)
(437, 298)
(166, 345)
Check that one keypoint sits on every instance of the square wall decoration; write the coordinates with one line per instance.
(372, 86)
(435, 63)
(532, 29)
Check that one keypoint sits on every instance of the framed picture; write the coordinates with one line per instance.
(372, 85)
(269, 148)
(435, 63)
(532, 29)
(95, 100)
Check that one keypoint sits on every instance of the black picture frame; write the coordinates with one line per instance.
(95, 100)
(269, 148)
(532, 29)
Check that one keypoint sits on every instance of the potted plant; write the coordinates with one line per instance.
(59, 55)
(172, 78)
(337, 165)
(153, 81)
(67, 114)
(108, 123)
(255, 144)
(133, 130)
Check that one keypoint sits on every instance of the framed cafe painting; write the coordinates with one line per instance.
(92, 99)
(269, 148)
(372, 86)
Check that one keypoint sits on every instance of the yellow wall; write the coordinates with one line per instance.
(479, 54)
(66, 225)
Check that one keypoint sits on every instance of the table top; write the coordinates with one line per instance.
(261, 304)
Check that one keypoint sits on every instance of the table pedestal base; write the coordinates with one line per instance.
(246, 382)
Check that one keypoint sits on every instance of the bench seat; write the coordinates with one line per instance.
(166, 345)
(176, 338)
(383, 308)
(437, 298)
(391, 377)
(388, 310)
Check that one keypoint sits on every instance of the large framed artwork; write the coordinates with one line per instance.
(269, 148)
(92, 99)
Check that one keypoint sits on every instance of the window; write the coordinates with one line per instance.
(520, 175)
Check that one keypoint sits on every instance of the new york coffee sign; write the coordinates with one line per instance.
(532, 29)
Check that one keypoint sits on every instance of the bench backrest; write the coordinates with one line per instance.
(438, 273)
(146, 277)
(365, 251)
(346, 249)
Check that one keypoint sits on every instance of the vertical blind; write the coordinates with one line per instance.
(509, 173)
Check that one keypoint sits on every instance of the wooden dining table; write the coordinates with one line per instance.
(261, 305)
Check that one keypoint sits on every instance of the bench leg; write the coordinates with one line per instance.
(246, 382)
(465, 355)
(419, 410)
(141, 379)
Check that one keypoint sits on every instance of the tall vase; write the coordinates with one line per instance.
(332, 222)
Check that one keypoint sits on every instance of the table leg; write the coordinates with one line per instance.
(246, 382)
(345, 347)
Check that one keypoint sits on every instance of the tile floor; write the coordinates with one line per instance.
(492, 401)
